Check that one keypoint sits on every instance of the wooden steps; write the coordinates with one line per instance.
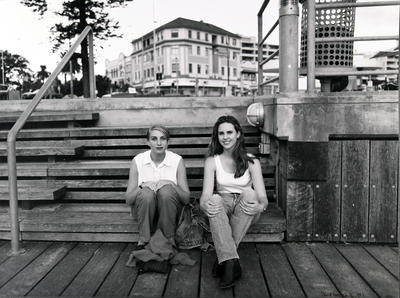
(47, 117)
(29, 193)
(99, 224)
(44, 151)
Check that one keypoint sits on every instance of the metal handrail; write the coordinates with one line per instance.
(311, 40)
(12, 135)
(270, 57)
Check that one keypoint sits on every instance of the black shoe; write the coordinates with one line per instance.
(231, 272)
(217, 269)
(140, 246)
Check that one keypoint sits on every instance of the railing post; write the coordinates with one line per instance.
(13, 193)
(92, 79)
(260, 55)
(288, 46)
(310, 46)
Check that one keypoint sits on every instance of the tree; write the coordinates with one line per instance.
(77, 14)
(103, 85)
(16, 68)
(42, 74)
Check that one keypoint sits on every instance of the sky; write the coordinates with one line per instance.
(23, 32)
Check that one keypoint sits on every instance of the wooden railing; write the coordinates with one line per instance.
(12, 135)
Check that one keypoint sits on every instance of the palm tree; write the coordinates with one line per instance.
(42, 74)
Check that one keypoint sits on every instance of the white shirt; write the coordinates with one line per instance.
(227, 183)
(148, 171)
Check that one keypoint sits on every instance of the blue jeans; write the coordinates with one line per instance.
(156, 211)
(229, 226)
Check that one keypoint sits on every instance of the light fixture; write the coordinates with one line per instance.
(255, 114)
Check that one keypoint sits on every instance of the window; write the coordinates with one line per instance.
(198, 68)
(234, 72)
(222, 71)
(198, 50)
(198, 35)
(222, 39)
(206, 51)
(190, 33)
(234, 55)
(190, 50)
(234, 41)
(206, 36)
(174, 34)
(152, 72)
(175, 67)
(206, 69)
(190, 68)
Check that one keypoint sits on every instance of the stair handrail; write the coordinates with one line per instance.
(12, 134)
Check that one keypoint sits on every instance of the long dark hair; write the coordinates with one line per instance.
(239, 154)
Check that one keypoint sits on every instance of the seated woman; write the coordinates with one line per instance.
(157, 187)
(241, 195)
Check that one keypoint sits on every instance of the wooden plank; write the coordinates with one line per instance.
(250, 284)
(149, 285)
(51, 116)
(208, 283)
(271, 221)
(386, 256)
(25, 280)
(383, 192)
(307, 161)
(309, 272)
(279, 275)
(35, 194)
(183, 280)
(270, 237)
(95, 195)
(89, 279)
(76, 236)
(14, 264)
(326, 223)
(119, 281)
(5, 249)
(299, 210)
(132, 152)
(355, 186)
(58, 279)
(26, 170)
(346, 279)
(44, 151)
(378, 278)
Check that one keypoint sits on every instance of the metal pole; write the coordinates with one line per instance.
(288, 46)
(260, 56)
(2, 66)
(154, 48)
(92, 79)
(310, 46)
(398, 150)
(71, 83)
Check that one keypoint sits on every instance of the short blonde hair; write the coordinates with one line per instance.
(160, 128)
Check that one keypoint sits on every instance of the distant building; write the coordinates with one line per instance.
(189, 58)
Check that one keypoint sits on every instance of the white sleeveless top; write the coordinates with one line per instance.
(227, 183)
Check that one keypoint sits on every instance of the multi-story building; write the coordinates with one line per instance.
(186, 57)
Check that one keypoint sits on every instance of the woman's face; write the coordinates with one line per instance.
(157, 142)
(227, 135)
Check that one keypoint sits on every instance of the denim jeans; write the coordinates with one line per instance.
(156, 211)
(229, 226)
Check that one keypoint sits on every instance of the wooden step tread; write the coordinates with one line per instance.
(271, 221)
(51, 116)
(103, 132)
(31, 193)
(45, 151)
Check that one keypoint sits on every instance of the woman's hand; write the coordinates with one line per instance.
(211, 207)
(251, 208)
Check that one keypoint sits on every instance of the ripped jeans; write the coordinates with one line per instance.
(229, 226)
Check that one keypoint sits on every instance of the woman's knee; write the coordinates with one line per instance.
(167, 193)
(146, 196)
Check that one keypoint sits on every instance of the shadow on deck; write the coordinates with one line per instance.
(269, 270)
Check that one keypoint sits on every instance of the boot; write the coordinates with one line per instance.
(231, 272)
(217, 269)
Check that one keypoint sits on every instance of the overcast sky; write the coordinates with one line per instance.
(23, 33)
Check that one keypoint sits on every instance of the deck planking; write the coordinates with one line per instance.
(51, 269)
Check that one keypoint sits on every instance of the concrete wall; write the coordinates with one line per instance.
(298, 117)
(197, 111)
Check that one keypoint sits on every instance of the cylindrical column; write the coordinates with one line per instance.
(311, 46)
(260, 55)
(288, 46)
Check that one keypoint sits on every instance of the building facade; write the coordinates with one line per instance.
(186, 57)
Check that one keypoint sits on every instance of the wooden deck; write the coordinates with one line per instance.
(270, 270)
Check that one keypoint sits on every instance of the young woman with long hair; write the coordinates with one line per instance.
(240, 196)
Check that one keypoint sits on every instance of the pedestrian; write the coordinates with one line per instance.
(157, 187)
(240, 196)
